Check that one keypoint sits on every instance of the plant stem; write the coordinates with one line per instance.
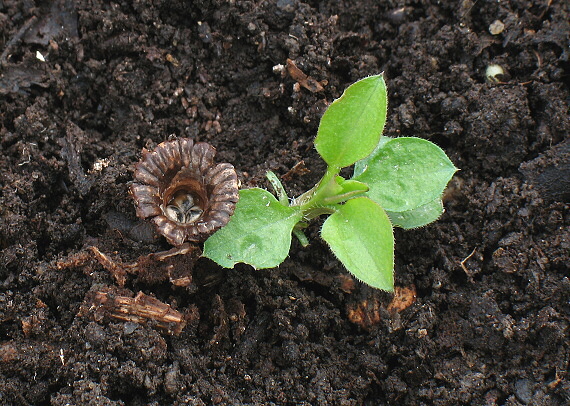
(342, 197)
(297, 232)
(278, 188)
(325, 188)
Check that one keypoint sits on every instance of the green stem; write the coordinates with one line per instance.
(342, 197)
(325, 188)
(297, 232)
(278, 188)
(315, 212)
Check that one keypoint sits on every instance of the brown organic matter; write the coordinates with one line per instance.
(180, 189)
(490, 322)
(140, 309)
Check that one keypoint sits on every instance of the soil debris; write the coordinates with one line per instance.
(140, 309)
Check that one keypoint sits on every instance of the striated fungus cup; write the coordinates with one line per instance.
(183, 192)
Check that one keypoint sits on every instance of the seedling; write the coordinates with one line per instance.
(396, 182)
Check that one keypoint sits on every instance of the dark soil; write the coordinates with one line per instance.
(490, 323)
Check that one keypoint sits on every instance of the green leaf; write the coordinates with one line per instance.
(406, 173)
(258, 233)
(352, 125)
(418, 217)
(360, 235)
(362, 165)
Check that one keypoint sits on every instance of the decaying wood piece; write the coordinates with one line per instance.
(140, 309)
(303, 79)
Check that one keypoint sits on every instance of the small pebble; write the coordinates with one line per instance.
(130, 327)
(493, 72)
(523, 390)
(496, 27)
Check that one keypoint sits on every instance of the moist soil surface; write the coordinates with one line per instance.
(481, 314)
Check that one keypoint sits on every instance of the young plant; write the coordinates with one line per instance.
(396, 182)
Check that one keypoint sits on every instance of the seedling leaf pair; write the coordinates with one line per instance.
(395, 182)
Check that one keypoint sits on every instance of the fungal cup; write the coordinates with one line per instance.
(180, 189)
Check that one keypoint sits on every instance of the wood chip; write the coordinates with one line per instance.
(306, 81)
(139, 309)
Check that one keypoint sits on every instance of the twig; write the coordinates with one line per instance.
(139, 309)
(467, 271)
